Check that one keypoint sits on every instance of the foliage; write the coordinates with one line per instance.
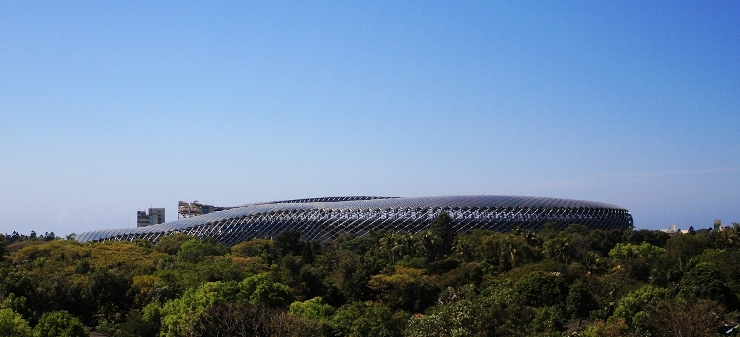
(180, 317)
(726, 262)
(170, 244)
(684, 317)
(235, 319)
(442, 237)
(194, 250)
(560, 248)
(637, 259)
(3, 243)
(314, 309)
(541, 289)
(492, 313)
(260, 290)
(145, 323)
(705, 281)
(431, 283)
(632, 308)
(614, 328)
(580, 301)
(59, 324)
(655, 238)
(601, 242)
(505, 251)
(256, 247)
(686, 246)
(371, 319)
(407, 289)
(12, 324)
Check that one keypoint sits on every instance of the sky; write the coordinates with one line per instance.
(110, 107)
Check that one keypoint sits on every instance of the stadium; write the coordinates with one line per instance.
(323, 219)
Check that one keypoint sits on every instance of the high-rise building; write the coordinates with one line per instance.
(155, 217)
(142, 219)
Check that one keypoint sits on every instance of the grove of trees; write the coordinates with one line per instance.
(432, 283)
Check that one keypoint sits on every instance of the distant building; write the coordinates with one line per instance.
(671, 231)
(155, 217)
(190, 209)
(719, 227)
(142, 219)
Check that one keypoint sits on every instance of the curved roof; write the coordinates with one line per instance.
(359, 203)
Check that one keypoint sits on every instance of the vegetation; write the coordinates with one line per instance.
(432, 283)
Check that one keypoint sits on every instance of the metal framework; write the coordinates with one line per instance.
(323, 219)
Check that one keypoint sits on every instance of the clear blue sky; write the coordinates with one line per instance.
(107, 108)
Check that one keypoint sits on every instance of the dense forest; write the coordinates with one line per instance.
(560, 281)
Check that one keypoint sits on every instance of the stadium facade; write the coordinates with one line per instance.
(323, 219)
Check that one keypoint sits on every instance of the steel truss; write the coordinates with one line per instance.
(324, 223)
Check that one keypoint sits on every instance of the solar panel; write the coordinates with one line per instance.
(325, 217)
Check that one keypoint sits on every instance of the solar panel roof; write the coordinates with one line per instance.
(358, 203)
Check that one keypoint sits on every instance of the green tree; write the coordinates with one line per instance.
(686, 246)
(653, 237)
(255, 247)
(638, 260)
(16, 303)
(560, 248)
(547, 321)
(352, 273)
(12, 324)
(408, 289)
(180, 317)
(549, 230)
(613, 328)
(143, 244)
(360, 320)
(504, 251)
(170, 244)
(603, 241)
(726, 261)
(314, 308)
(608, 289)
(541, 289)
(495, 312)
(260, 290)
(443, 229)
(3, 243)
(59, 324)
(461, 318)
(288, 242)
(193, 251)
(576, 229)
(140, 324)
(706, 281)
(729, 238)
(632, 308)
(580, 301)
(396, 245)
(109, 291)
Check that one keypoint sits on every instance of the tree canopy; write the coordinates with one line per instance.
(435, 282)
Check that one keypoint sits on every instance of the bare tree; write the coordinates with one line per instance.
(685, 318)
(236, 320)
